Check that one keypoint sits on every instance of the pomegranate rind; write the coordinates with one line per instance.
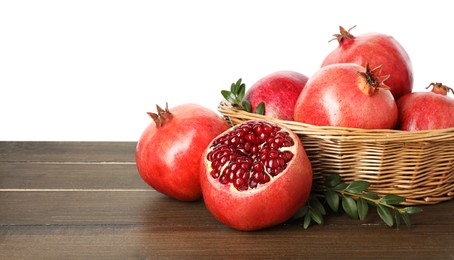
(265, 206)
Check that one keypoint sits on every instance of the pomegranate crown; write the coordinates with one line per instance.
(343, 34)
(162, 116)
(374, 79)
(439, 88)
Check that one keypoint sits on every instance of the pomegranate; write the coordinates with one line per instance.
(169, 151)
(376, 49)
(279, 91)
(426, 110)
(255, 175)
(347, 95)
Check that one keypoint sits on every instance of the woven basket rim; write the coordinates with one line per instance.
(345, 133)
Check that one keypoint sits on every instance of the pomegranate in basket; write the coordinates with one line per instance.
(376, 49)
(347, 95)
(426, 110)
(279, 91)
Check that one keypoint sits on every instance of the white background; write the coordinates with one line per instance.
(90, 70)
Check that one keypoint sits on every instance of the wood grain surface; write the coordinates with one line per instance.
(86, 200)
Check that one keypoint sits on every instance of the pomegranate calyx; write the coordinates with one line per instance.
(439, 88)
(162, 116)
(372, 80)
(343, 35)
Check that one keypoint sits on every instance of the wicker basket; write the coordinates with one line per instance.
(416, 165)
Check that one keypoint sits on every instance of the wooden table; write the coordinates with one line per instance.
(70, 200)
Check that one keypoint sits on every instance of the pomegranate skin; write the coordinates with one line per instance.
(270, 204)
(333, 97)
(279, 91)
(168, 157)
(376, 49)
(425, 111)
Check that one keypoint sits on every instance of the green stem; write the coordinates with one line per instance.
(374, 201)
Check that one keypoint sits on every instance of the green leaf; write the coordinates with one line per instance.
(385, 215)
(332, 199)
(260, 109)
(357, 187)
(241, 91)
(235, 86)
(316, 205)
(238, 83)
(307, 221)
(363, 208)
(340, 186)
(412, 210)
(397, 217)
(301, 213)
(247, 106)
(349, 206)
(392, 199)
(232, 88)
(332, 180)
(406, 219)
(316, 216)
(228, 96)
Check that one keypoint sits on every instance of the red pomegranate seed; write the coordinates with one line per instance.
(252, 152)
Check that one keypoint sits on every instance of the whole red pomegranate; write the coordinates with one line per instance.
(279, 91)
(376, 49)
(426, 110)
(169, 152)
(347, 95)
(255, 175)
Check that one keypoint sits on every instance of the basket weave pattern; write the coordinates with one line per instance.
(416, 165)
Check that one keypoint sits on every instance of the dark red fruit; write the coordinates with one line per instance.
(255, 175)
(426, 110)
(376, 49)
(169, 152)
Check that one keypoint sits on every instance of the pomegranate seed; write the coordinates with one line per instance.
(279, 140)
(250, 137)
(267, 128)
(214, 174)
(254, 150)
(258, 129)
(223, 179)
(280, 162)
(239, 184)
(288, 155)
(253, 184)
(245, 166)
(224, 160)
(258, 167)
(273, 154)
(252, 153)
(266, 178)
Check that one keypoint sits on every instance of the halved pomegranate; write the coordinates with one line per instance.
(256, 175)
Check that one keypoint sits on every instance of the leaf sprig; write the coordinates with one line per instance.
(355, 201)
(235, 97)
